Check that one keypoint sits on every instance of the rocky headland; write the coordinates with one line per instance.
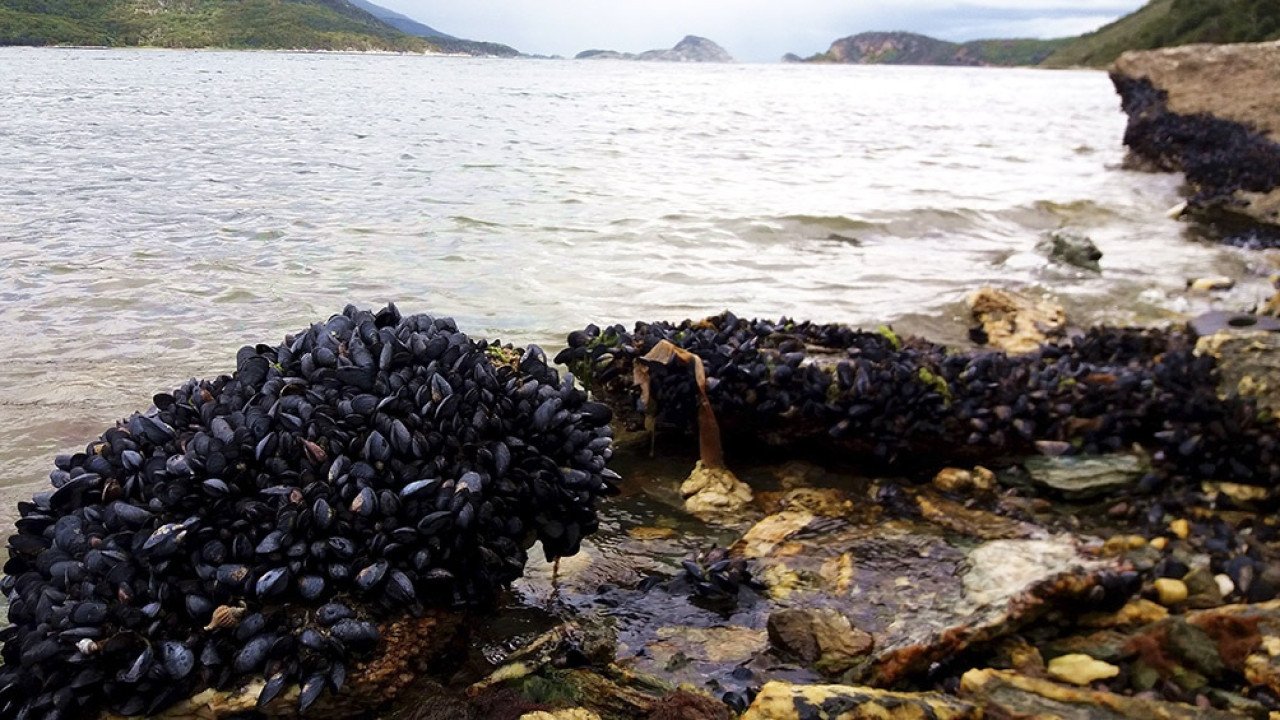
(691, 49)
(904, 48)
(1211, 112)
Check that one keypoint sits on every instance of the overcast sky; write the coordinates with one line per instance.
(751, 30)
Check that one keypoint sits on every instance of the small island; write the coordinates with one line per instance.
(691, 49)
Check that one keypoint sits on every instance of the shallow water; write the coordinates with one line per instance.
(160, 209)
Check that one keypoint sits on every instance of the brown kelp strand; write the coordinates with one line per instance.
(265, 523)
(897, 399)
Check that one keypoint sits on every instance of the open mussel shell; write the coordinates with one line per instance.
(265, 522)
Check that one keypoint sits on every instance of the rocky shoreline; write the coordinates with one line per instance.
(1210, 111)
(888, 576)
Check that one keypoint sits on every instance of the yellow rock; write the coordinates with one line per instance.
(1243, 494)
(1080, 669)
(646, 534)
(1180, 528)
(765, 535)
(569, 714)
(783, 701)
(1170, 591)
(1160, 543)
(1206, 284)
(960, 481)
(714, 494)
(1135, 613)
(1013, 322)
(1120, 544)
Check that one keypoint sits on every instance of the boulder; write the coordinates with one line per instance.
(1071, 247)
(822, 637)
(1210, 111)
(1013, 322)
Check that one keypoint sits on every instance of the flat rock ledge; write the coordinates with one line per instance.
(1212, 112)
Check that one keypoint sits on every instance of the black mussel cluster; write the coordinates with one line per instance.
(264, 523)
(1219, 157)
(717, 577)
(898, 399)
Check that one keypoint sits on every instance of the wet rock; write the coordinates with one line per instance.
(1078, 478)
(958, 481)
(783, 701)
(1071, 247)
(717, 645)
(821, 637)
(715, 494)
(954, 591)
(1015, 323)
(1080, 669)
(1006, 694)
(687, 705)
(973, 522)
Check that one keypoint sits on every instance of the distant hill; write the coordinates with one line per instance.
(403, 23)
(1165, 23)
(904, 48)
(691, 49)
(266, 24)
(447, 43)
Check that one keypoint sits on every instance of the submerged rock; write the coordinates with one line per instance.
(821, 637)
(955, 593)
(1071, 247)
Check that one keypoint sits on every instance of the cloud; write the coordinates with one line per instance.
(751, 30)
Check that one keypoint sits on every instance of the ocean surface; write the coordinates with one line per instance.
(160, 209)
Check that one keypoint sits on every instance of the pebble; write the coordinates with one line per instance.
(1180, 528)
(1170, 591)
(1080, 669)
(1225, 586)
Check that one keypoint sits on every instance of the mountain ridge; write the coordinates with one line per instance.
(908, 48)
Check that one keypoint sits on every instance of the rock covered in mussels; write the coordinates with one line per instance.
(264, 523)
(898, 399)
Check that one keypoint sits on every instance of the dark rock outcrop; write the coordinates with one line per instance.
(1210, 112)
